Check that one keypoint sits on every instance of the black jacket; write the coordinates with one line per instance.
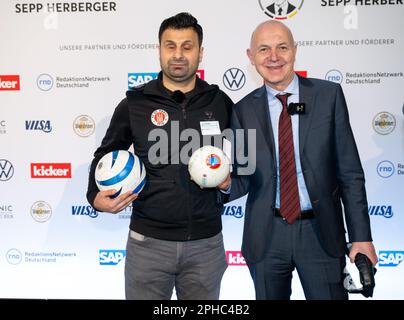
(170, 206)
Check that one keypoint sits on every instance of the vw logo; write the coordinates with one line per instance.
(6, 170)
(234, 79)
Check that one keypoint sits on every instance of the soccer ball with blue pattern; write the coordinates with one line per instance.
(120, 170)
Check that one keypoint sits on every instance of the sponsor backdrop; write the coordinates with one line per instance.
(65, 65)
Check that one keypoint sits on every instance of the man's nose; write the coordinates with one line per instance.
(178, 53)
(273, 55)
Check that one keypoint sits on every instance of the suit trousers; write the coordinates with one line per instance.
(154, 267)
(296, 246)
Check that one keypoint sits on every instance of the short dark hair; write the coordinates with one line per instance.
(183, 20)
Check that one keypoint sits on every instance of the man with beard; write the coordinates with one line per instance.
(175, 238)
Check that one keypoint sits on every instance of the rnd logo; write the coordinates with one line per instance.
(51, 170)
(9, 82)
(235, 258)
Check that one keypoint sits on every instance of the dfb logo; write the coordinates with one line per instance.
(6, 170)
(280, 9)
(235, 258)
(111, 257)
(390, 258)
(234, 79)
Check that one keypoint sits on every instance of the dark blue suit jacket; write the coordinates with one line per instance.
(330, 164)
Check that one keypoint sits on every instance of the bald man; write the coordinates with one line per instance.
(307, 166)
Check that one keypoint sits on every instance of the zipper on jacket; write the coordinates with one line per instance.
(183, 106)
(184, 112)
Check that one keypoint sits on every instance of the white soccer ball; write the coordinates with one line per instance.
(120, 170)
(209, 166)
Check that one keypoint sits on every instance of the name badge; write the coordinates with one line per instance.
(210, 128)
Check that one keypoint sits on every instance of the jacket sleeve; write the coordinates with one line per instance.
(223, 197)
(239, 183)
(117, 137)
(350, 175)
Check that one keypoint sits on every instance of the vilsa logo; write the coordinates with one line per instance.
(234, 211)
(84, 211)
(111, 257)
(42, 125)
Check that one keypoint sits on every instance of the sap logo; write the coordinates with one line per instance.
(137, 79)
(43, 125)
(385, 211)
(235, 211)
(84, 211)
(235, 258)
(111, 257)
(390, 258)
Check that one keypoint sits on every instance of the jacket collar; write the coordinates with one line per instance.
(156, 87)
(306, 96)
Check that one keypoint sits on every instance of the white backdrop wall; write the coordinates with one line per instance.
(64, 68)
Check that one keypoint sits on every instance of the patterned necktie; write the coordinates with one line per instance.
(289, 193)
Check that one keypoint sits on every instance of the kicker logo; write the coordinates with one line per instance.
(51, 170)
(9, 82)
(235, 258)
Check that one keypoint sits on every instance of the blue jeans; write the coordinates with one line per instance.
(154, 267)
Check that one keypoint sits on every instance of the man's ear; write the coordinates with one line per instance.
(250, 56)
(201, 54)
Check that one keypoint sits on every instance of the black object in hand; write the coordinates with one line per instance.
(367, 274)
